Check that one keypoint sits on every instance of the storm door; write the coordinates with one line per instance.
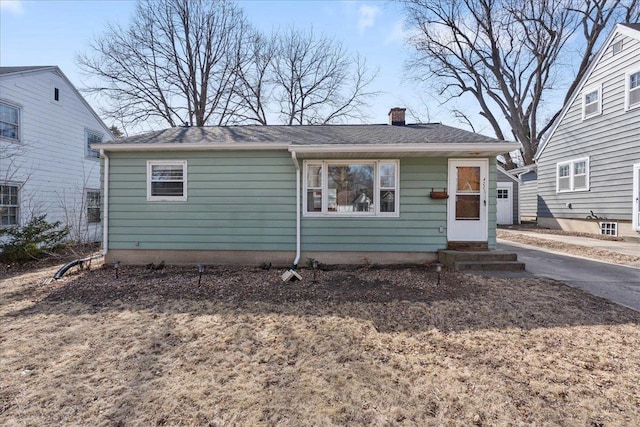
(468, 201)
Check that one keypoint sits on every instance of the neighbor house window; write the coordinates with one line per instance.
(93, 206)
(633, 90)
(592, 102)
(92, 138)
(609, 228)
(573, 175)
(166, 180)
(9, 122)
(8, 205)
(351, 188)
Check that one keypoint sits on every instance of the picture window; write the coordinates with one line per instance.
(351, 188)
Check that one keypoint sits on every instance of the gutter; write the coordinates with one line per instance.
(473, 148)
(291, 273)
(105, 203)
(298, 237)
(187, 146)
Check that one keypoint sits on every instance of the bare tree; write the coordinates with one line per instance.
(507, 54)
(254, 91)
(317, 81)
(175, 63)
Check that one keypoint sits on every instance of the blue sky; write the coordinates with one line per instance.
(52, 32)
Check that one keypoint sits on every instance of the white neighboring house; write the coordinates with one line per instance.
(46, 165)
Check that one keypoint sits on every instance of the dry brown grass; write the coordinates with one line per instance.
(572, 249)
(360, 347)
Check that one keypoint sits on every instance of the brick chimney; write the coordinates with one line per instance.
(396, 116)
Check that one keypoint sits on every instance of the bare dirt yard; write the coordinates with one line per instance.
(365, 346)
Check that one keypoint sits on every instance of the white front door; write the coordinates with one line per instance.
(505, 203)
(467, 206)
(636, 197)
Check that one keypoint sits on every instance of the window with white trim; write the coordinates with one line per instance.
(9, 122)
(572, 175)
(9, 207)
(632, 97)
(592, 102)
(92, 138)
(167, 180)
(351, 188)
(609, 228)
(93, 206)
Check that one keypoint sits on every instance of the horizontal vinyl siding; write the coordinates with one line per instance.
(529, 199)
(415, 230)
(246, 201)
(236, 201)
(610, 140)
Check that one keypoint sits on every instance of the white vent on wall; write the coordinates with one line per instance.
(616, 47)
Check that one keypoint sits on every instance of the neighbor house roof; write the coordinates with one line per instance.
(315, 139)
(633, 26)
(7, 71)
(629, 30)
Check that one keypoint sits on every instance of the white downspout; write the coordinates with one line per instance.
(105, 205)
(297, 165)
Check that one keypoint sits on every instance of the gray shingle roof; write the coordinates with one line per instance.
(634, 26)
(432, 133)
(9, 70)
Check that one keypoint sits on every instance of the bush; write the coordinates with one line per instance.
(34, 240)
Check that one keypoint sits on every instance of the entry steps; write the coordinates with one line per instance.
(495, 260)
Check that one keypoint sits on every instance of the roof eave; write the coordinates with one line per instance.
(471, 149)
(185, 147)
(458, 149)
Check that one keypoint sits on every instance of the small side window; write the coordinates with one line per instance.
(92, 138)
(9, 122)
(592, 102)
(167, 180)
(93, 206)
(572, 175)
(9, 207)
(633, 90)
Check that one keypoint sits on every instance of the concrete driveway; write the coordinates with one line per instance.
(617, 283)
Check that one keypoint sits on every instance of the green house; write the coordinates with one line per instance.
(353, 194)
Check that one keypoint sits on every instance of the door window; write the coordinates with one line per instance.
(468, 193)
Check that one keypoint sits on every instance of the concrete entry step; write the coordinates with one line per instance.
(489, 265)
(467, 246)
(484, 261)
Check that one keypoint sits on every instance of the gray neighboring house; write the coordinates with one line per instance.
(528, 194)
(508, 198)
(339, 193)
(589, 167)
